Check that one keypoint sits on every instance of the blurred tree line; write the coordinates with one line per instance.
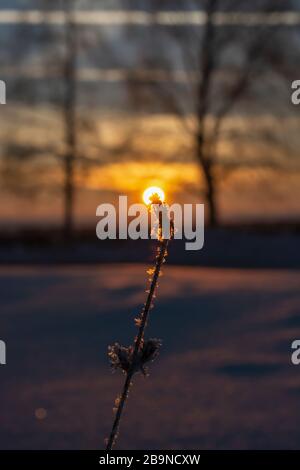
(218, 71)
(202, 74)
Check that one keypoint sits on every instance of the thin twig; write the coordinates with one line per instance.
(163, 246)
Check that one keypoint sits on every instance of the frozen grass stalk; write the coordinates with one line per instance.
(134, 358)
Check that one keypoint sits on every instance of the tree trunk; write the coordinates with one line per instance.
(206, 165)
(204, 157)
(212, 218)
(69, 117)
(68, 197)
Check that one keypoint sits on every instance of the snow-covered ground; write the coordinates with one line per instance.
(224, 378)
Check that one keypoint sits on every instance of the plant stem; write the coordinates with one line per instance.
(138, 342)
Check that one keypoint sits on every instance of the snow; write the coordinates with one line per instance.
(224, 378)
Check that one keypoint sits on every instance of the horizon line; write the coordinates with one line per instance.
(143, 18)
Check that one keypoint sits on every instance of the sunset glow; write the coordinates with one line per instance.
(150, 192)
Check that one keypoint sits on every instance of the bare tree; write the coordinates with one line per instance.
(69, 114)
(59, 46)
(209, 69)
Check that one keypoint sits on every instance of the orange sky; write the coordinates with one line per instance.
(161, 156)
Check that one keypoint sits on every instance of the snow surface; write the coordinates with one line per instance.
(224, 378)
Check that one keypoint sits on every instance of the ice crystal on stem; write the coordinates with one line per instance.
(133, 359)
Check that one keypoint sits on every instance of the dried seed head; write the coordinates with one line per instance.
(155, 199)
(150, 350)
(120, 357)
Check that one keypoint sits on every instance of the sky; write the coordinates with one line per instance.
(246, 194)
(163, 153)
(144, 18)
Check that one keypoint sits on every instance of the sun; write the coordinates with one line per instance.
(153, 191)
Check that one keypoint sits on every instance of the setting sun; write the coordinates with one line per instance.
(150, 192)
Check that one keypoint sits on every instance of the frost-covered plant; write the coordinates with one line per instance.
(133, 359)
(122, 357)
